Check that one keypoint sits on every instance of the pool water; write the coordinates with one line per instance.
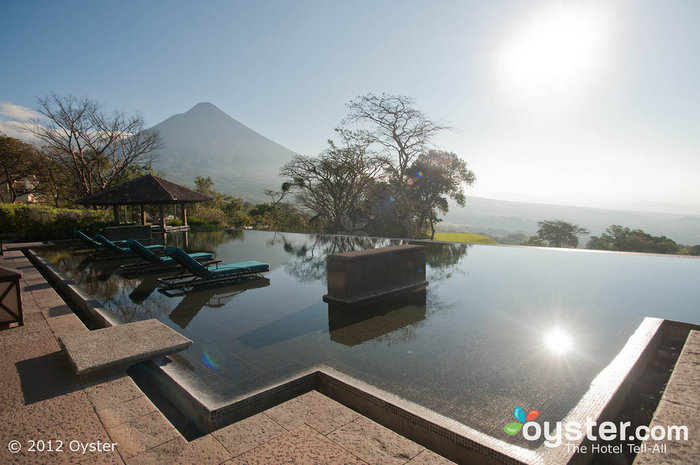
(497, 326)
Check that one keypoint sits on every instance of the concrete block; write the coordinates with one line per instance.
(362, 275)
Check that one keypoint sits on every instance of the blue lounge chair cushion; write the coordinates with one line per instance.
(149, 256)
(239, 268)
(124, 250)
(202, 271)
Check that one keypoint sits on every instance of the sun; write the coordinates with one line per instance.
(557, 49)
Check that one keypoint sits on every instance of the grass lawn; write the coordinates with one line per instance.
(464, 237)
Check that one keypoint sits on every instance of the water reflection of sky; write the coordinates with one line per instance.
(497, 327)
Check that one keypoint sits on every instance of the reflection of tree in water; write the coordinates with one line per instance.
(402, 323)
(309, 258)
(99, 279)
(125, 309)
(203, 241)
(443, 258)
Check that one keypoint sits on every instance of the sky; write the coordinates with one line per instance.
(593, 103)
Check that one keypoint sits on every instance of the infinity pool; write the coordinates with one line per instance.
(497, 326)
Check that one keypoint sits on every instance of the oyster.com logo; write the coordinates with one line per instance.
(519, 414)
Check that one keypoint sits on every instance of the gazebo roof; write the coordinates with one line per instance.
(146, 190)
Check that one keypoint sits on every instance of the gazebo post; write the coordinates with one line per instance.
(162, 216)
(184, 214)
(116, 214)
(143, 215)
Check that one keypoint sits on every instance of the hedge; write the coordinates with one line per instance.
(21, 222)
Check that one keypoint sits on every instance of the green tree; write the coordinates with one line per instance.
(534, 241)
(433, 178)
(18, 160)
(335, 185)
(204, 185)
(222, 209)
(620, 238)
(557, 233)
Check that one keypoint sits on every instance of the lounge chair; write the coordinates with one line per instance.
(200, 275)
(87, 239)
(124, 251)
(153, 262)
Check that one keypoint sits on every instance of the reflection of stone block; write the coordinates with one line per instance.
(368, 274)
(355, 324)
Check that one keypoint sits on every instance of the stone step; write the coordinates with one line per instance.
(118, 347)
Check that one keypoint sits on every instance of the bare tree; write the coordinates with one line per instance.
(393, 123)
(402, 131)
(335, 184)
(89, 146)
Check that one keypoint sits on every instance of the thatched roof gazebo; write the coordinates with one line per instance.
(147, 190)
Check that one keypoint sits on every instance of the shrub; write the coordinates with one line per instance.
(42, 222)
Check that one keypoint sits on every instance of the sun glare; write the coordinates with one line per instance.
(555, 50)
(558, 341)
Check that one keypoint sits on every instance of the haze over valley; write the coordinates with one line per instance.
(205, 141)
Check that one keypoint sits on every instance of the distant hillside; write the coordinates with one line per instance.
(501, 217)
(205, 141)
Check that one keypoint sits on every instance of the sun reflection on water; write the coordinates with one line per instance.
(558, 341)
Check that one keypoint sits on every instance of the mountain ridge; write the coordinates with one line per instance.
(206, 141)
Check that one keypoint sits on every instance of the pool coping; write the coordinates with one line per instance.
(447, 437)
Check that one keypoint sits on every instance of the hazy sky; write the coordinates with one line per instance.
(594, 102)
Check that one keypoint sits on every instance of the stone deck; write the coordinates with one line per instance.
(679, 406)
(41, 400)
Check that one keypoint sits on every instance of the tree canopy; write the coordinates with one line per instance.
(620, 238)
(557, 233)
(396, 129)
(434, 177)
(335, 184)
(18, 160)
(91, 148)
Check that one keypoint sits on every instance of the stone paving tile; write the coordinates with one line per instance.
(314, 409)
(203, 451)
(116, 414)
(86, 429)
(21, 345)
(247, 434)
(64, 325)
(34, 320)
(66, 408)
(143, 433)
(374, 443)
(114, 391)
(301, 446)
(428, 457)
(25, 335)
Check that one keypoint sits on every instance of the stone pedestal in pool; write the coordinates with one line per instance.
(365, 275)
